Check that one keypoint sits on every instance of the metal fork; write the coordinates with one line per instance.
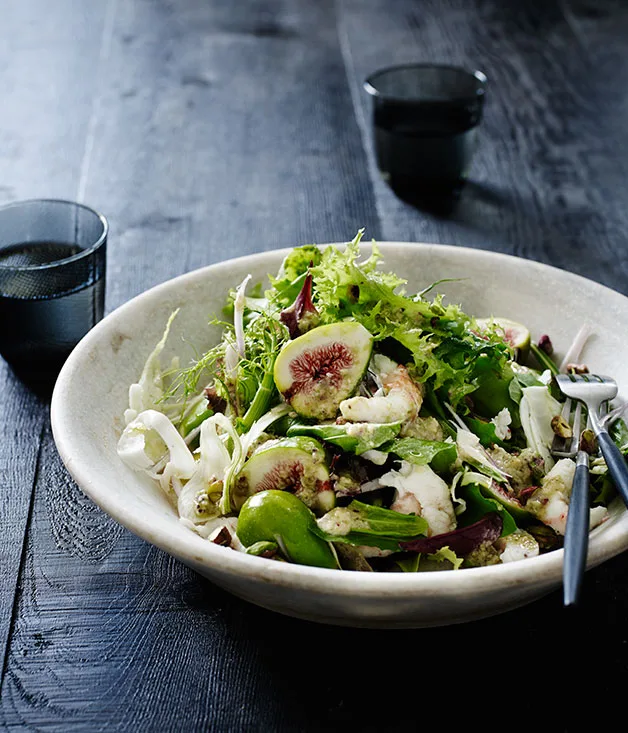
(577, 529)
(595, 390)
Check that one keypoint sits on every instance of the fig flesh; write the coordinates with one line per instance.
(514, 333)
(296, 465)
(318, 370)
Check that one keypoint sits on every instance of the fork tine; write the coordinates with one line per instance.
(566, 411)
(577, 418)
(613, 414)
(563, 445)
(587, 377)
(594, 391)
(568, 447)
(594, 394)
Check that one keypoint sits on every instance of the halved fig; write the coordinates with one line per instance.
(296, 465)
(514, 333)
(318, 370)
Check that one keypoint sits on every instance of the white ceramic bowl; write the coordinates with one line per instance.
(91, 394)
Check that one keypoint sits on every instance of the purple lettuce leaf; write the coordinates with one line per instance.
(300, 315)
(462, 540)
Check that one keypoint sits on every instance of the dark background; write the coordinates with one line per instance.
(210, 129)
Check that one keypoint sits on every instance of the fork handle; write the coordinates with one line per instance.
(576, 532)
(616, 463)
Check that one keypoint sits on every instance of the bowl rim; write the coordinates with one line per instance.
(191, 548)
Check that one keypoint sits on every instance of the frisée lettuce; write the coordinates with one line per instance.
(411, 434)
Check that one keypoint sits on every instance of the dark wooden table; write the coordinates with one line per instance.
(206, 129)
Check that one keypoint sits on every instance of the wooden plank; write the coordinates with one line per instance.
(546, 182)
(48, 64)
(236, 138)
(45, 113)
(223, 129)
(111, 634)
(20, 429)
(600, 31)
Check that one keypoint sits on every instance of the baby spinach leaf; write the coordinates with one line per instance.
(422, 452)
(365, 524)
(479, 505)
(485, 431)
(353, 437)
(521, 379)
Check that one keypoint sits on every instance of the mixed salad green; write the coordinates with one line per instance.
(342, 422)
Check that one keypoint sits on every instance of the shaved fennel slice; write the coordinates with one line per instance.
(238, 316)
(470, 451)
(537, 408)
(459, 503)
(237, 459)
(232, 359)
(145, 441)
(578, 344)
(145, 394)
(259, 426)
(205, 530)
(211, 469)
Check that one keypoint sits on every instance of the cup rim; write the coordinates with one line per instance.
(373, 91)
(65, 260)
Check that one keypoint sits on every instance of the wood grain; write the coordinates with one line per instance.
(20, 439)
(540, 179)
(203, 146)
(210, 130)
(41, 147)
(228, 130)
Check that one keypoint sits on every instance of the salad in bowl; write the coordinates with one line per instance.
(342, 422)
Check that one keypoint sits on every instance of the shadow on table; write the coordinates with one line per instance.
(41, 384)
(500, 219)
(39, 378)
(526, 662)
(461, 203)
